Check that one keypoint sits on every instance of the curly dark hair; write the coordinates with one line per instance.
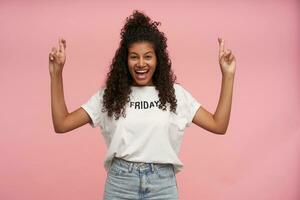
(138, 28)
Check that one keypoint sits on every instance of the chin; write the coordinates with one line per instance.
(142, 83)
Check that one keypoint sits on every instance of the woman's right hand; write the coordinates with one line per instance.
(57, 58)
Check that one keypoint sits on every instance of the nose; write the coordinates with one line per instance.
(141, 62)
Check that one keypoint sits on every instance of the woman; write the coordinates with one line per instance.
(141, 111)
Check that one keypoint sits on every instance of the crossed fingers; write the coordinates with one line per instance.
(228, 56)
(54, 54)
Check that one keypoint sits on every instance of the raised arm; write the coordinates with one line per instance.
(218, 122)
(63, 121)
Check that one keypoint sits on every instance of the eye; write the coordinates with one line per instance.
(148, 57)
(133, 57)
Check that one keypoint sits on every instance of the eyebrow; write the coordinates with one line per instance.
(144, 54)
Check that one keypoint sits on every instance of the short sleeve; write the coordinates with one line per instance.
(189, 104)
(93, 107)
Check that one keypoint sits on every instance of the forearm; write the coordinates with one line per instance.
(222, 113)
(58, 105)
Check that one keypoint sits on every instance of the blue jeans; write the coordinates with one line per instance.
(139, 180)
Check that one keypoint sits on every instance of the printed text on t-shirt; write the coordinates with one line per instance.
(143, 104)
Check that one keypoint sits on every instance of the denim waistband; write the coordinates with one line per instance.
(140, 165)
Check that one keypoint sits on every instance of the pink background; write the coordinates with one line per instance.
(258, 158)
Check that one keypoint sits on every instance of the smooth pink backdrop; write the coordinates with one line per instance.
(258, 158)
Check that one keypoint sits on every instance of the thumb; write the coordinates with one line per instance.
(51, 57)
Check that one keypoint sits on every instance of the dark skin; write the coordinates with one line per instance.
(142, 56)
(218, 122)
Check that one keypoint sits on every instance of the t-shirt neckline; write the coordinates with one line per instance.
(145, 86)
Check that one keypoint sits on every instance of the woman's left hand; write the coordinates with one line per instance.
(226, 59)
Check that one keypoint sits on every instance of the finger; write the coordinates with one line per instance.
(54, 52)
(231, 56)
(228, 53)
(223, 58)
(64, 43)
(221, 46)
(225, 55)
(232, 59)
(51, 57)
(60, 45)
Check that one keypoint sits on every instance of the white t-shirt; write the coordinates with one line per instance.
(147, 134)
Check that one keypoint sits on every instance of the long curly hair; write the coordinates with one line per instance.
(138, 28)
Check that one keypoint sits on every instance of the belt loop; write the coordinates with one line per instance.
(112, 161)
(130, 167)
(152, 167)
(173, 167)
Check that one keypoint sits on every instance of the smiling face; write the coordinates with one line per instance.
(141, 63)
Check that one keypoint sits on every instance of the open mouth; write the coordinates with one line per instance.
(141, 74)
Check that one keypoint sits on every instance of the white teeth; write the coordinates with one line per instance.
(142, 71)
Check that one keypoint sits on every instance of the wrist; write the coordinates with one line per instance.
(228, 76)
(56, 75)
